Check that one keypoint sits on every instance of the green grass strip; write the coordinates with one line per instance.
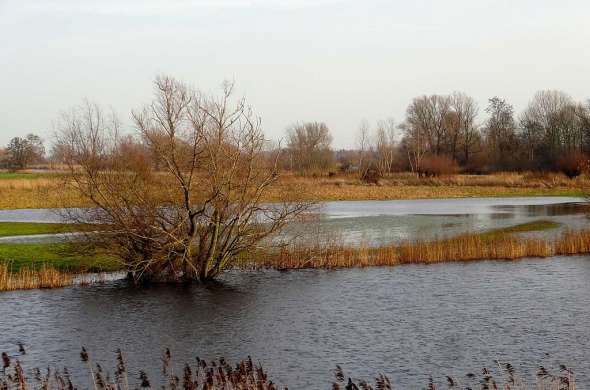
(60, 256)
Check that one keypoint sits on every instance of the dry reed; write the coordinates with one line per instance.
(468, 247)
(27, 278)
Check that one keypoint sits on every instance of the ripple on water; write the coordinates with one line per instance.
(409, 321)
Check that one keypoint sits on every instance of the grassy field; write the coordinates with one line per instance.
(58, 256)
(46, 190)
(8, 229)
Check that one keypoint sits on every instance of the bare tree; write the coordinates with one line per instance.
(24, 151)
(551, 120)
(385, 145)
(189, 220)
(466, 111)
(500, 133)
(363, 145)
(309, 146)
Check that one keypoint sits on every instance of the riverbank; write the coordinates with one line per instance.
(53, 265)
(36, 260)
(46, 190)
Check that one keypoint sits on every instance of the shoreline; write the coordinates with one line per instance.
(488, 246)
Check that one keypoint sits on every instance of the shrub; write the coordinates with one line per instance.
(371, 175)
(437, 166)
(573, 164)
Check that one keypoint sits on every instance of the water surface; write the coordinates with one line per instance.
(407, 321)
(384, 222)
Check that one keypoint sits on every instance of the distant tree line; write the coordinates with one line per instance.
(446, 133)
(22, 152)
(439, 134)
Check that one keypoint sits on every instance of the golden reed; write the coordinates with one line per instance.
(469, 247)
(26, 278)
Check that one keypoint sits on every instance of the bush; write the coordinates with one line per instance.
(573, 164)
(371, 175)
(437, 166)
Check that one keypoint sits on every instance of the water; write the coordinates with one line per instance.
(408, 321)
(385, 222)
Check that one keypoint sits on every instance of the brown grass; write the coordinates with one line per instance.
(26, 278)
(48, 191)
(469, 247)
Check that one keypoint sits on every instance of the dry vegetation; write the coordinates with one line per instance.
(27, 278)
(469, 247)
(464, 248)
(246, 375)
(41, 191)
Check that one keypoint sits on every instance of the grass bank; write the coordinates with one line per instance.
(59, 256)
(21, 260)
(31, 266)
(46, 190)
(9, 229)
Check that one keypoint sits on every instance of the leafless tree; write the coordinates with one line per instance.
(363, 143)
(309, 146)
(189, 220)
(385, 145)
(466, 111)
(21, 152)
(500, 133)
(552, 122)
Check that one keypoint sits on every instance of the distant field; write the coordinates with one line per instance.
(46, 189)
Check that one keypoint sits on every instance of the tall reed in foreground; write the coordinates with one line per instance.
(247, 375)
(28, 278)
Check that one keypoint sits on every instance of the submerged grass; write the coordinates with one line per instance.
(527, 227)
(247, 375)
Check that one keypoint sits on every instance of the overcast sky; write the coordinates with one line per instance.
(325, 60)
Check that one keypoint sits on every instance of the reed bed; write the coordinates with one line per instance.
(28, 278)
(247, 375)
(331, 255)
(468, 247)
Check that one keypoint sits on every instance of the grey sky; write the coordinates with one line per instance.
(333, 61)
